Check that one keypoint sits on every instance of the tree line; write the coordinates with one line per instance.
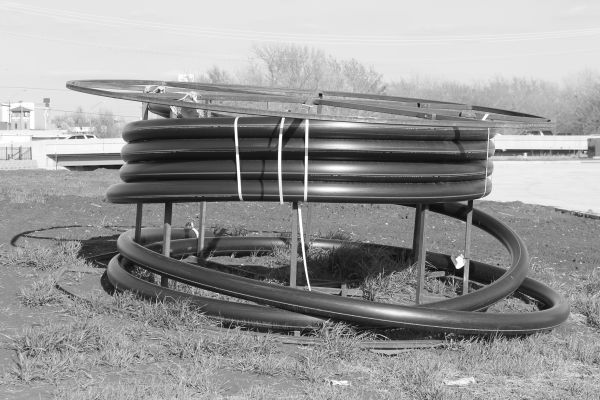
(104, 124)
(574, 104)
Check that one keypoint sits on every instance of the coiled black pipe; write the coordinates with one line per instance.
(192, 159)
(305, 309)
(401, 159)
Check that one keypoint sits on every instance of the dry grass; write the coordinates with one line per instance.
(587, 299)
(54, 351)
(25, 187)
(64, 254)
(130, 348)
(41, 292)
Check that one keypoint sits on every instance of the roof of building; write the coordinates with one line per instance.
(21, 109)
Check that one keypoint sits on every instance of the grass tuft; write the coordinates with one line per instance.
(589, 306)
(338, 235)
(587, 301)
(45, 353)
(54, 352)
(341, 341)
(161, 314)
(396, 286)
(172, 381)
(44, 258)
(40, 293)
(230, 230)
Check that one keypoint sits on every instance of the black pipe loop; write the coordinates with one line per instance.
(455, 314)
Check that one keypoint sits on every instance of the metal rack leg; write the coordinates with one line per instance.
(294, 245)
(469, 222)
(419, 251)
(138, 222)
(201, 227)
(164, 281)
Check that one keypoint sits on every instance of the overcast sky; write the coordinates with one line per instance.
(46, 43)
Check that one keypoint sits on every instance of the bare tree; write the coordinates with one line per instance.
(104, 124)
(218, 75)
(290, 65)
(574, 106)
(308, 68)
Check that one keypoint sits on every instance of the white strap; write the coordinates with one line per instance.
(237, 158)
(485, 117)
(279, 177)
(306, 129)
(487, 159)
(303, 250)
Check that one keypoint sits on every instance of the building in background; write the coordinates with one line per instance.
(20, 115)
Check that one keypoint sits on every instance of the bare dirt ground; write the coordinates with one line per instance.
(46, 208)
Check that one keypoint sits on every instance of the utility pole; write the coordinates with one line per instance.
(46, 111)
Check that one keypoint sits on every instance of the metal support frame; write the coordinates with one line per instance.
(138, 222)
(468, 229)
(419, 250)
(140, 206)
(308, 213)
(201, 226)
(308, 224)
(164, 281)
(294, 245)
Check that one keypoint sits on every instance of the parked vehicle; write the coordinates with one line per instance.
(82, 136)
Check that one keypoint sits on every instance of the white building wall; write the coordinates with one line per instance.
(4, 113)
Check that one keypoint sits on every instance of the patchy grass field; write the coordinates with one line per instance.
(54, 347)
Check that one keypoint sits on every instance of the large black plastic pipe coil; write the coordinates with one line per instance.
(418, 152)
(194, 159)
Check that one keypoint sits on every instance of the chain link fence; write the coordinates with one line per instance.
(15, 153)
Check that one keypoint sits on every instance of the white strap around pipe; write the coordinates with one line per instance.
(279, 177)
(237, 158)
(303, 250)
(487, 160)
(306, 129)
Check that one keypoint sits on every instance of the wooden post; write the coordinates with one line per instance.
(294, 245)
(164, 281)
(469, 222)
(419, 250)
(201, 225)
(138, 222)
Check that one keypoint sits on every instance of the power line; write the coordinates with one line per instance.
(34, 88)
(252, 35)
(94, 113)
(191, 53)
